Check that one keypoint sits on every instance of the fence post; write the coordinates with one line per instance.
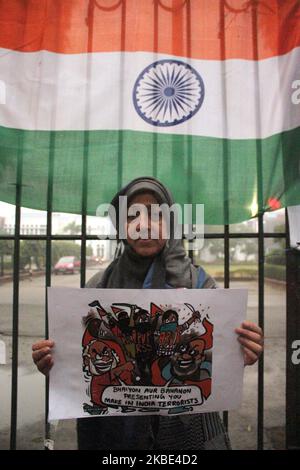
(293, 350)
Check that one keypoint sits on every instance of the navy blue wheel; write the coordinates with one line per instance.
(168, 92)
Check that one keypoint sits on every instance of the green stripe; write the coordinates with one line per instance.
(191, 166)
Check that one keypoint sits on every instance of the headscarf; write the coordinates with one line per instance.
(171, 266)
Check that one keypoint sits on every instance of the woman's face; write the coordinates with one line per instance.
(143, 224)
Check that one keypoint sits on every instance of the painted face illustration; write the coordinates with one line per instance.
(100, 358)
(169, 321)
(123, 320)
(187, 357)
(142, 321)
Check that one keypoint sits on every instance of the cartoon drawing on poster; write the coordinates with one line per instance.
(146, 357)
(144, 351)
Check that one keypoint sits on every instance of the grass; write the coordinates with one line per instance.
(240, 271)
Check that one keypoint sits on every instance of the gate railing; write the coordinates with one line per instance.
(83, 238)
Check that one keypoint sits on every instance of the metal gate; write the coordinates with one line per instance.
(48, 238)
(226, 236)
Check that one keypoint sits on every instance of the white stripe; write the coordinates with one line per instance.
(48, 91)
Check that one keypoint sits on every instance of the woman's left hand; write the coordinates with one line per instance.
(252, 340)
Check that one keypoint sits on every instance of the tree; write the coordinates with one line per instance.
(32, 250)
(249, 248)
(280, 242)
(67, 248)
(72, 228)
(6, 249)
(35, 251)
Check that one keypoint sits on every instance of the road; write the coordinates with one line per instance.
(242, 423)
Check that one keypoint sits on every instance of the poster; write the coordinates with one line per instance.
(294, 226)
(144, 351)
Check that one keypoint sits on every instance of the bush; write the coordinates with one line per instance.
(246, 273)
(276, 257)
(275, 272)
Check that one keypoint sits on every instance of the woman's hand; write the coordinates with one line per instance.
(41, 355)
(252, 340)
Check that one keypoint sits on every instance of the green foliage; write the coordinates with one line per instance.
(249, 247)
(6, 253)
(35, 251)
(67, 248)
(276, 257)
(246, 246)
(72, 228)
(279, 228)
(248, 272)
(6, 247)
(275, 272)
(280, 242)
(32, 250)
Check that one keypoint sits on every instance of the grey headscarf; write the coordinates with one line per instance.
(171, 265)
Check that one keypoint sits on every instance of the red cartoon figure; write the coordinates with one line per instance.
(142, 335)
(190, 364)
(105, 362)
(139, 331)
(170, 331)
(97, 320)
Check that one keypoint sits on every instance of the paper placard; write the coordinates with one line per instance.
(294, 226)
(144, 351)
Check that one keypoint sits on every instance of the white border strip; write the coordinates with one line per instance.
(49, 91)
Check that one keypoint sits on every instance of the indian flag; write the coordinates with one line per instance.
(202, 94)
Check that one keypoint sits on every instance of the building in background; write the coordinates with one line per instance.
(34, 222)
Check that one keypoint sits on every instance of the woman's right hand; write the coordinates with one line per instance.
(41, 355)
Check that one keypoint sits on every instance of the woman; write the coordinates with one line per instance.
(155, 263)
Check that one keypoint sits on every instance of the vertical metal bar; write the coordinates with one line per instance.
(260, 200)
(49, 263)
(155, 49)
(175, 12)
(50, 181)
(225, 154)
(189, 138)
(289, 329)
(83, 240)
(16, 278)
(15, 335)
(122, 4)
(226, 257)
(292, 346)
(226, 286)
(225, 150)
(121, 132)
(260, 406)
(90, 23)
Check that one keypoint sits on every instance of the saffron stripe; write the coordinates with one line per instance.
(150, 26)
